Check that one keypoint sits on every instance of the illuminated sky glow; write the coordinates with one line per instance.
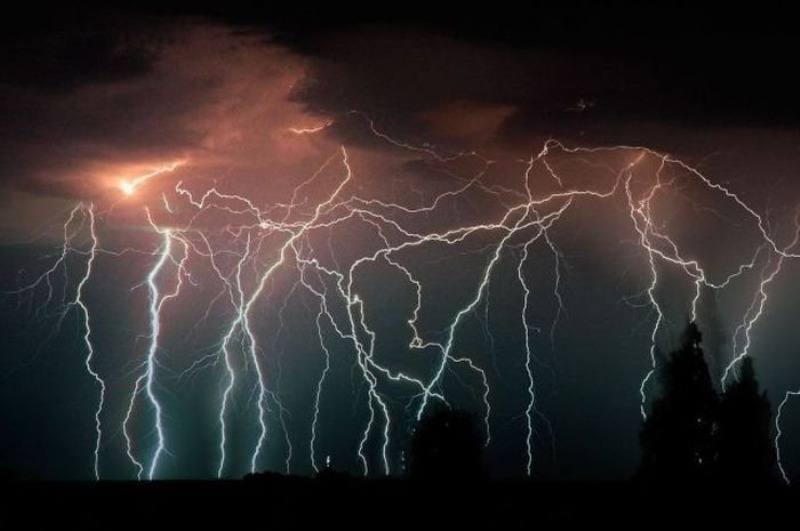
(246, 256)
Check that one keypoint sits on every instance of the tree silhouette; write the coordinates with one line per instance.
(678, 435)
(446, 446)
(745, 451)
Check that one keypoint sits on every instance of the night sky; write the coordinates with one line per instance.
(233, 164)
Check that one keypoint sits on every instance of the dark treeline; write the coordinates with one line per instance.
(695, 433)
(692, 433)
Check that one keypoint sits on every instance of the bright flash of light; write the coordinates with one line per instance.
(128, 186)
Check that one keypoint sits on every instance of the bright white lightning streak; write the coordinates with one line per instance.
(427, 150)
(650, 293)
(759, 303)
(87, 332)
(80, 303)
(318, 393)
(748, 324)
(66, 248)
(528, 370)
(155, 329)
(227, 356)
(365, 357)
(656, 244)
(642, 219)
(264, 278)
(427, 391)
(243, 317)
(779, 433)
(323, 311)
(310, 130)
(541, 223)
(126, 421)
(520, 218)
(556, 286)
(531, 407)
(146, 381)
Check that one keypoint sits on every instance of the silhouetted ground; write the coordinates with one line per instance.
(267, 501)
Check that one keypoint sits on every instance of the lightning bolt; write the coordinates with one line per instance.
(146, 381)
(779, 433)
(87, 334)
(282, 236)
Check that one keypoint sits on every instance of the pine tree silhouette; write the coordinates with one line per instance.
(678, 435)
(745, 451)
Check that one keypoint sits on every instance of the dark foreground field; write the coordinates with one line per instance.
(275, 502)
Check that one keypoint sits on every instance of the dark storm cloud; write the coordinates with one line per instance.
(675, 77)
(45, 61)
(151, 92)
(403, 78)
(84, 86)
(63, 47)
